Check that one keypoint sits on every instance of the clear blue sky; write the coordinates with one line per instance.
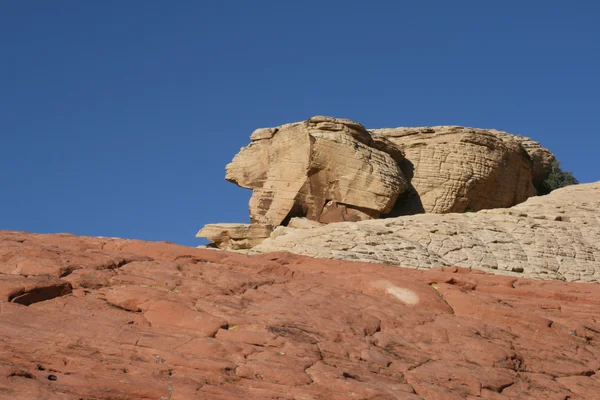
(117, 117)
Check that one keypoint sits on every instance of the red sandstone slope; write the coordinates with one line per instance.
(90, 318)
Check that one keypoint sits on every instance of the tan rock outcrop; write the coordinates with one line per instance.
(547, 237)
(303, 223)
(235, 236)
(458, 169)
(298, 169)
(333, 170)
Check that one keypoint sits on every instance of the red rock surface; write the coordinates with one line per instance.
(94, 318)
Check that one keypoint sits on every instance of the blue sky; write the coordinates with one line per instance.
(117, 118)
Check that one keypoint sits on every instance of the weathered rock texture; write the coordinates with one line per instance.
(333, 170)
(126, 319)
(298, 169)
(458, 169)
(547, 237)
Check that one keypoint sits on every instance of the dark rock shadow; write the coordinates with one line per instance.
(409, 202)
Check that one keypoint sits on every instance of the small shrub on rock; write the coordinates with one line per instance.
(556, 179)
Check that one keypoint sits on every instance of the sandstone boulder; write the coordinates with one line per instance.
(304, 168)
(333, 170)
(547, 237)
(458, 169)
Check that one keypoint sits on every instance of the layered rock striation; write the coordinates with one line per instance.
(302, 168)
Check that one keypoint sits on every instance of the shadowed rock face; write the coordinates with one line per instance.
(126, 319)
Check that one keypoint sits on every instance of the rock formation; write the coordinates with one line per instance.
(235, 236)
(297, 169)
(547, 237)
(333, 170)
(94, 318)
(457, 169)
